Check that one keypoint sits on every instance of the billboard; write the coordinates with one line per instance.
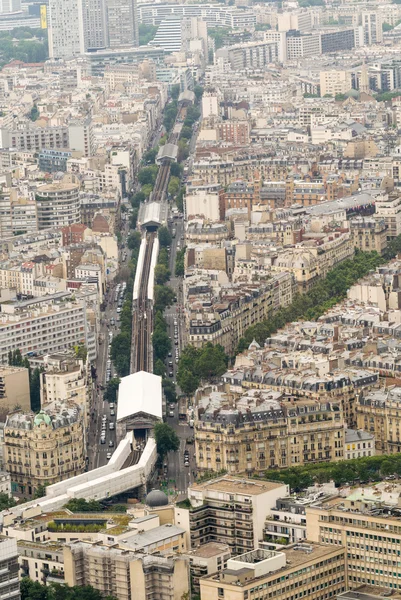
(43, 16)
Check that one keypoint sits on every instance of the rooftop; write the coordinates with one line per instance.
(238, 485)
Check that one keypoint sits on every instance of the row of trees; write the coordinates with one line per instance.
(33, 590)
(324, 294)
(23, 44)
(15, 359)
(180, 262)
(196, 364)
(358, 470)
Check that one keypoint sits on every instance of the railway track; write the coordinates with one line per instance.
(143, 315)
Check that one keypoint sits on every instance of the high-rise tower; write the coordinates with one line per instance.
(122, 19)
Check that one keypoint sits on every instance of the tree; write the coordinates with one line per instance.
(81, 352)
(148, 175)
(164, 297)
(121, 353)
(173, 186)
(183, 150)
(161, 344)
(159, 368)
(40, 491)
(134, 240)
(186, 133)
(175, 169)
(162, 274)
(147, 189)
(6, 501)
(198, 90)
(169, 390)
(150, 155)
(187, 381)
(164, 237)
(180, 263)
(111, 390)
(175, 91)
(212, 361)
(34, 386)
(33, 590)
(146, 33)
(179, 200)
(137, 199)
(166, 439)
(34, 113)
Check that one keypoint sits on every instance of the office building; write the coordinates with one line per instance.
(366, 523)
(372, 24)
(57, 205)
(304, 570)
(95, 29)
(44, 448)
(119, 571)
(66, 29)
(122, 18)
(44, 325)
(10, 6)
(229, 508)
(334, 82)
(53, 161)
(302, 45)
(14, 389)
(169, 35)
(9, 580)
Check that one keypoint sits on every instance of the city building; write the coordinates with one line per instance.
(369, 233)
(122, 20)
(388, 207)
(358, 443)
(205, 560)
(169, 35)
(335, 82)
(80, 134)
(366, 524)
(66, 29)
(117, 570)
(33, 138)
(53, 161)
(44, 448)
(289, 432)
(230, 508)
(14, 389)
(95, 24)
(9, 580)
(57, 204)
(306, 570)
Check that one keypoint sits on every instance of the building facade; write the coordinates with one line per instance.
(57, 205)
(44, 448)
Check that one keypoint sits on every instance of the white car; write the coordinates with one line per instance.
(108, 455)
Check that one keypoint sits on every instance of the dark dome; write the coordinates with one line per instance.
(156, 498)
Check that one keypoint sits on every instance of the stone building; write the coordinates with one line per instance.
(44, 448)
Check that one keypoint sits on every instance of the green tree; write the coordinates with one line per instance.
(175, 91)
(180, 263)
(121, 353)
(173, 186)
(162, 274)
(166, 439)
(137, 199)
(40, 491)
(198, 89)
(110, 393)
(148, 175)
(34, 386)
(33, 590)
(183, 150)
(147, 189)
(175, 170)
(169, 390)
(187, 381)
(211, 362)
(150, 155)
(134, 240)
(34, 113)
(159, 368)
(146, 33)
(186, 133)
(6, 501)
(164, 297)
(161, 344)
(81, 352)
(164, 237)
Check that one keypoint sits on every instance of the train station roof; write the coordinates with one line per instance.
(187, 97)
(167, 151)
(152, 214)
(140, 393)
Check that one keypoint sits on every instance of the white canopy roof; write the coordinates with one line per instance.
(140, 392)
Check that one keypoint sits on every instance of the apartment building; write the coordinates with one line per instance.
(368, 233)
(388, 207)
(33, 138)
(334, 82)
(44, 448)
(305, 570)
(14, 389)
(9, 580)
(256, 55)
(207, 559)
(236, 307)
(378, 413)
(117, 570)
(42, 562)
(229, 508)
(366, 523)
(53, 161)
(359, 443)
(57, 205)
(302, 45)
(44, 325)
(264, 429)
